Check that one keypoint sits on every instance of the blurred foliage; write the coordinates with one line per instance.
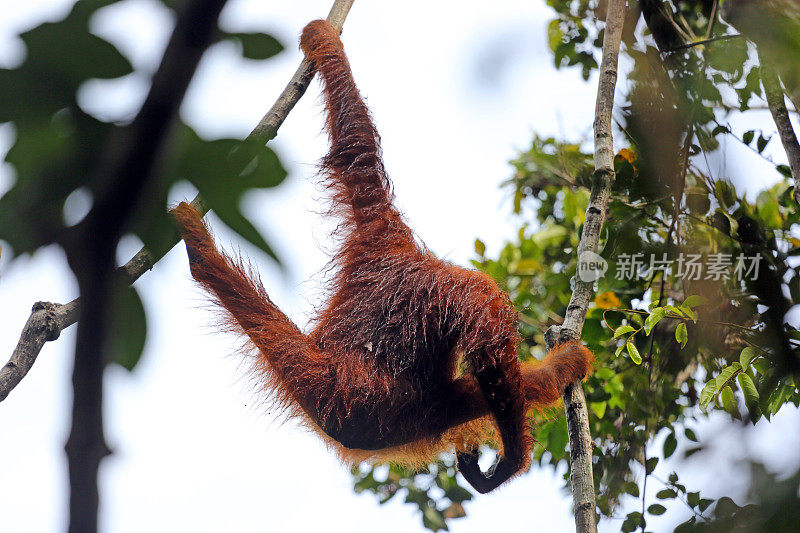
(57, 146)
(670, 348)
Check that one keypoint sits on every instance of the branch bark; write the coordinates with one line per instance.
(45, 324)
(35, 334)
(777, 107)
(580, 441)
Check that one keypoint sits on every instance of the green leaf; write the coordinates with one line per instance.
(480, 248)
(605, 373)
(550, 235)
(698, 204)
(693, 301)
(690, 434)
(761, 143)
(727, 373)
(704, 503)
(257, 46)
(725, 508)
(598, 408)
(676, 310)
(779, 397)
(656, 509)
(666, 494)
(747, 138)
(707, 394)
(634, 352)
(128, 329)
(724, 193)
(433, 519)
(693, 498)
(650, 465)
(554, 34)
(559, 436)
(747, 355)
(458, 494)
(223, 170)
(670, 443)
(729, 402)
(68, 52)
(653, 318)
(785, 170)
(632, 522)
(750, 393)
(681, 335)
(632, 488)
(622, 330)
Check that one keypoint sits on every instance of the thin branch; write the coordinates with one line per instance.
(34, 336)
(777, 107)
(580, 440)
(673, 316)
(712, 19)
(703, 41)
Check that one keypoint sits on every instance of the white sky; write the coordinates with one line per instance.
(456, 88)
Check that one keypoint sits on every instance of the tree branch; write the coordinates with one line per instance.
(45, 324)
(703, 41)
(35, 334)
(124, 172)
(777, 107)
(580, 441)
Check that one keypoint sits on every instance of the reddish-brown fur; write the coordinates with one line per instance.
(379, 376)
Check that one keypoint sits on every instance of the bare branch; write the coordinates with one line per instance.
(582, 479)
(777, 107)
(267, 128)
(45, 324)
(40, 329)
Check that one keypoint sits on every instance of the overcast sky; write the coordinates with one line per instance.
(456, 88)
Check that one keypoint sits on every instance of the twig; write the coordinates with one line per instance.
(712, 19)
(33, 338)
(580, 441)
(777, 107)
(703, 41)
(673, 316)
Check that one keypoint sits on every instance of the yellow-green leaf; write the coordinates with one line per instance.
(480, 248)
(693, 301)
(681, 335)
(653, 318)
(750, 392)
(634, 352)
(622, 330)
(707, 394)
(598, 408)
(729, 402)
(747, 355)
(727, 373)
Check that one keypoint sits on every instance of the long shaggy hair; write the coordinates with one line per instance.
(411, 356)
